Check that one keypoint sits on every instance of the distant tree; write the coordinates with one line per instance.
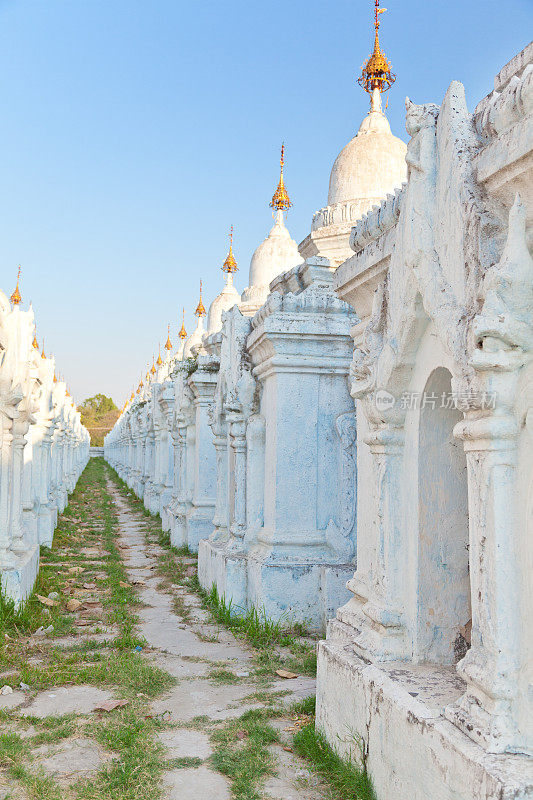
(97, 406)
(98, 414)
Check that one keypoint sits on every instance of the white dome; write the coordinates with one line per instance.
(195, 339)
(373, 164)
(276, 254)
(228, 297)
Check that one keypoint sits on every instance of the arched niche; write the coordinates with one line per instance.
(443, 585)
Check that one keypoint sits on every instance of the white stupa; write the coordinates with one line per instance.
(228, 297)
(368, 168)
(276, 254)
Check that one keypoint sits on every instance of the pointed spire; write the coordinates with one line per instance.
(200, 310)
(183, 333)
(230, 265)
(16, 298)
(35, 343)
(168, 344)
(42, 351)
(280, 199)
(153, 370)
(377, 71)
(159, 359)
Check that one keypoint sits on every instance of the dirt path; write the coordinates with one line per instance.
(137, 692)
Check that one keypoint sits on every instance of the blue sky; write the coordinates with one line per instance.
(135, 133)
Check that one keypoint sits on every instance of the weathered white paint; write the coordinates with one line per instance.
(447, 262)
(43, 449)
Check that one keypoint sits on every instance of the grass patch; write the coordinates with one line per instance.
(241, 753)
(348, 778)
(224, 676)
(305, 706)
(89, 524)
(136, 773)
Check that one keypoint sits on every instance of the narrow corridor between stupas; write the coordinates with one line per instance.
(130, 683)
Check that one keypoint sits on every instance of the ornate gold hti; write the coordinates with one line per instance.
(280, 199)
(200, 310)
(377, 71)
(16, 298)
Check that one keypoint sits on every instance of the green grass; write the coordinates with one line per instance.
(305, 706)
(135, 774)
(224, 676)
(241, 753)
(90, 521)
(348, 777)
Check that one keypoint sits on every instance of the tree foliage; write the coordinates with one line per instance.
(98, 414)
(97, 406)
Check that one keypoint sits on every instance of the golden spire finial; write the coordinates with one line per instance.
(152, 370)
(35, 343)
(168, 345)
(200, 310)
(230, 265)
(55, 379)
(377, 72)
(280, 199)
(183, 333)
(42, 351)
(159, 359)
(16, 298)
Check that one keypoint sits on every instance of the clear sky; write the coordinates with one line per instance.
(135, 132)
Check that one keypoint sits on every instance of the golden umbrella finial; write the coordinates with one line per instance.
(377, 71)
(168, 345)
(183, 333)
(230, 265)
(200, 310)
(16, 298)
(280, 199)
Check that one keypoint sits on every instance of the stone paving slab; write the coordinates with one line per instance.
(195, 784)
(66, 700)
(297, 688)
(185, 743)
(199, 697)
(12, 700)
(181, 667)
(72, 759)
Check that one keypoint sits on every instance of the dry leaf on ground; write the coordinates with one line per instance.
(110, 705)
(45, 601)
(284, 673)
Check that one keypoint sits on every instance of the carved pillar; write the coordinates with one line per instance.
(6, 441)
(220, 519)
(20, 429)
(379, 582)
(490, 707)
(238, 446)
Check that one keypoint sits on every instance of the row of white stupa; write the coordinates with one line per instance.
(244, 439)
(43, 448)
(414, 524)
